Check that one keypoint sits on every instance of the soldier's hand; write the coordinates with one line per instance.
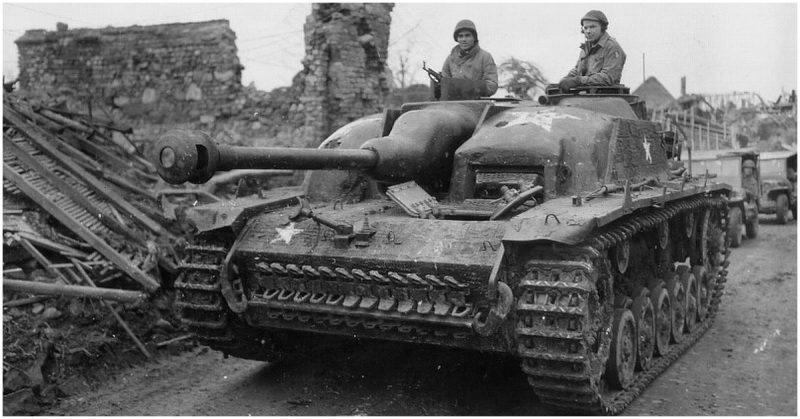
(569, 83)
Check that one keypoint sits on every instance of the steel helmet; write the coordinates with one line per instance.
(465, 24)
(596, 16)
(749, 163)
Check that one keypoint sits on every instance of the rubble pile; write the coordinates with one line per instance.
(88, 256)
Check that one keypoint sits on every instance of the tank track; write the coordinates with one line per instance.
(563, 357)
(203, 309)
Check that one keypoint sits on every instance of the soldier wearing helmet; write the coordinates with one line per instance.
(601, 59)
(468, 61)
(749, 178)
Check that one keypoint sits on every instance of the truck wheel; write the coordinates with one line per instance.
(735, 226)
(781, 208)
(751, 227)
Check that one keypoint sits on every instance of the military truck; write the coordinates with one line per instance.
(730, 166)
(564, 233)
(778, 184)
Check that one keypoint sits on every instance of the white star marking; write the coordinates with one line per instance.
(286, 234)
(647, 155)
(542, 118)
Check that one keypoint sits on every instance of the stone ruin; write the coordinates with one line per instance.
(188, 75)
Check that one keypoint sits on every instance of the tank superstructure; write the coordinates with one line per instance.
(562, 232)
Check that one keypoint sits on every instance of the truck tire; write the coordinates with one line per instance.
(781, 208)
(751, 227)
(735, 226)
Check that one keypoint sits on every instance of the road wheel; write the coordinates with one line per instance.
(677, 295)
(782, 208)
(690, 285)
(645, 318)
(735, 226)
(622, 359)
(662, 306)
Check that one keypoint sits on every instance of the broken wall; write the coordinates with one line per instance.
(173, 72)
(188, 76)
(345, 73)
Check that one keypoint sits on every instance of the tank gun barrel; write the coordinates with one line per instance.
(192, 156)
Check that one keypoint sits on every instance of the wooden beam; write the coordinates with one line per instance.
(65, 121)
(44, 288)
(40, 258)
(51, 245)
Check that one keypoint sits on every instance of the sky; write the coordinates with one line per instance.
(719, 47)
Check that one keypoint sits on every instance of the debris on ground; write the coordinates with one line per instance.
(88, 256)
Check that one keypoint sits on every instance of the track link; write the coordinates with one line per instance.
(563, 328)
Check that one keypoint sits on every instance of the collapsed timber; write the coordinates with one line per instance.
(88, 253)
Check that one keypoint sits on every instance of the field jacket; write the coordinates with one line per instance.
(477, 64)
(600, 64)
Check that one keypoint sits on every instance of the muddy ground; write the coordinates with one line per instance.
(745, 365)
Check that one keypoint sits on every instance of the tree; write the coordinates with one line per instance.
(521, 78)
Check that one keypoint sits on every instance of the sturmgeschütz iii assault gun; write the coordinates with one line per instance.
(563, 232)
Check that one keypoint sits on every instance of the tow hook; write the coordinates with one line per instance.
(488, 323)
(231, 285)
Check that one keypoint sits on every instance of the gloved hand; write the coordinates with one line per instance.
(569, 83)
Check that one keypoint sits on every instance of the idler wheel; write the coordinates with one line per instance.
(645, 317)
(622, 359)
(677, 294)
(664, 318)
(690, 285)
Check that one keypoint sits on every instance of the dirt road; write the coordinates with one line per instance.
(745, 365)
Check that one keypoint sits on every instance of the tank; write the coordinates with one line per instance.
(563, 232)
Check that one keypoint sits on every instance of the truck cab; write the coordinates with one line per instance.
(740, 169)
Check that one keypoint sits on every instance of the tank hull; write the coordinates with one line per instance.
(566, 236)
(435, 287)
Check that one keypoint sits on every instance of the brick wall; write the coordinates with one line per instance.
(178, 71)
(345, 74)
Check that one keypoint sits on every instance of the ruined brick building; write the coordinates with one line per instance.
(189, 75)
(181, 70)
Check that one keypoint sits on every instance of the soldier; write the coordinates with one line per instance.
(601, 59)
(749, 180)
(468, 61)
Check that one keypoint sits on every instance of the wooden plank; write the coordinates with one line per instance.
(65, 121)
(40, 258)
(44, 288)
(91, 181)
(87, 235)
(51, 245)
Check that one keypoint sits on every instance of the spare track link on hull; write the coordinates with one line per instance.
(557, 356)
